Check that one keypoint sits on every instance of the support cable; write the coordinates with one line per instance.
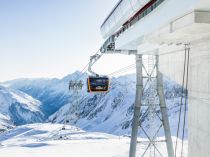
(186, 98)
(182, 93)
(122, 70)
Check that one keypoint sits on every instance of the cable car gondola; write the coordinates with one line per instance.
(98, 84)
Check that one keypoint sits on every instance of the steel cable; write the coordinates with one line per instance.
(182, 93)
(122, 70)
(186, 98)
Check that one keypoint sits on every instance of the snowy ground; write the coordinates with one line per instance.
(49, 140)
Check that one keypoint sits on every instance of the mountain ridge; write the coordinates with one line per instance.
(110, 112)
(17, 108)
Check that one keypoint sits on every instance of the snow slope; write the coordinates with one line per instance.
(110, 112)
(17, 108)
(43, 140)
(107, 112)
(5, 123)
(113, 112)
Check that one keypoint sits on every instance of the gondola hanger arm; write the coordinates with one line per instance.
(93, 60)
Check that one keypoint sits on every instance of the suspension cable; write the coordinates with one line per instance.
(186, 98)
(122, 70)
(182, 93)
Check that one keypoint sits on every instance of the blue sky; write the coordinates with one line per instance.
(51, 38)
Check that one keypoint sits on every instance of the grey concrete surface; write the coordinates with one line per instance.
(171, 64)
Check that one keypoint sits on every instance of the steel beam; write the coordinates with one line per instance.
(137, 106)
(164, 113)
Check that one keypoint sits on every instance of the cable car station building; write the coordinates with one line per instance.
(165, 28)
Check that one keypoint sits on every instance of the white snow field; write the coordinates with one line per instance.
(49, 140)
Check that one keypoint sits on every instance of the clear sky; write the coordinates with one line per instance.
(52, 38)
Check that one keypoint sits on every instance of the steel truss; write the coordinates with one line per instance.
(150, 94)
(150, 106)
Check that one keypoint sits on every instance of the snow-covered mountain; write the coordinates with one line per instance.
(5, 123)
(110, 112)
(53, 93)
(17, 108)
(107, 112)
